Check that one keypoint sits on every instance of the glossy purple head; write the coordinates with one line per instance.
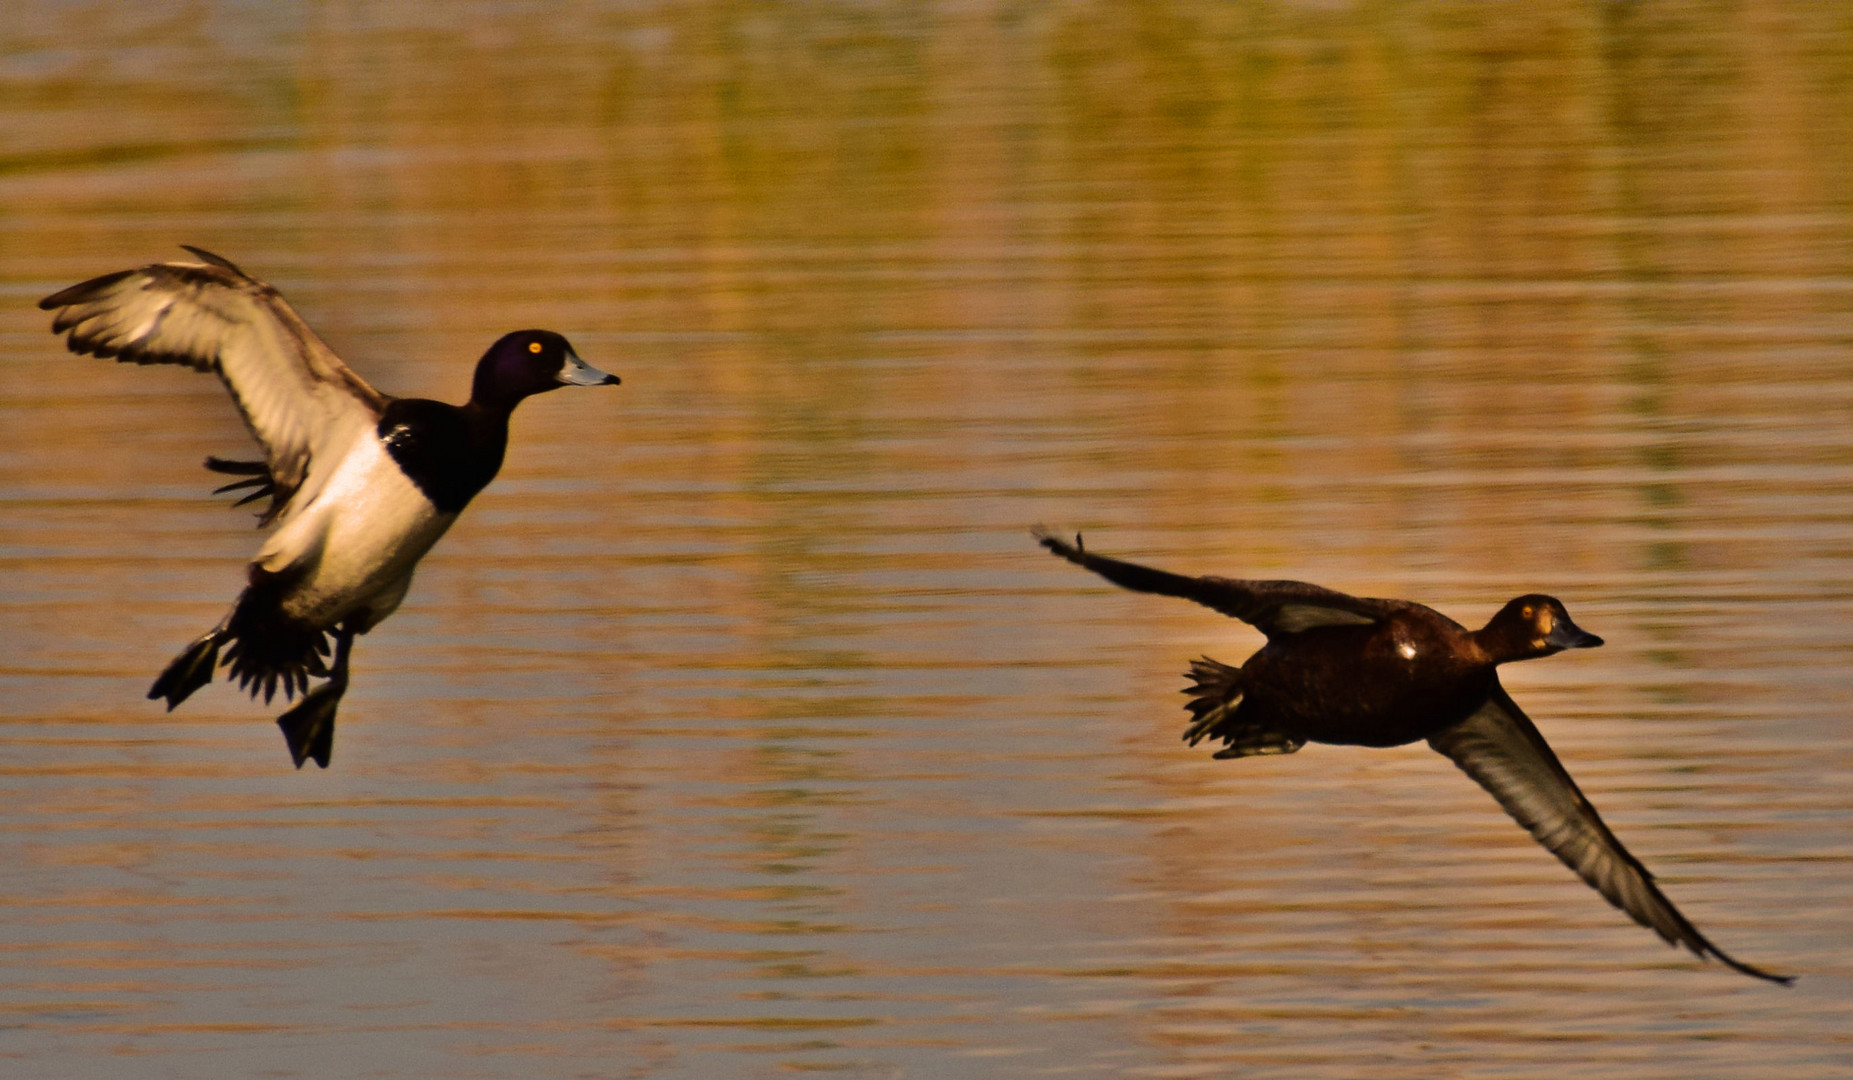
(530, 362)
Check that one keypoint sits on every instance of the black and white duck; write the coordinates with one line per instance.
(360, 484)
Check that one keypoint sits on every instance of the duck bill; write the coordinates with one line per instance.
(576, 372)
(1567, 635)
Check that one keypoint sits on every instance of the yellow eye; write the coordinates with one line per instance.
(533, 346)
(1525, 612)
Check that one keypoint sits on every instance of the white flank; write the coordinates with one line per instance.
(356, 541)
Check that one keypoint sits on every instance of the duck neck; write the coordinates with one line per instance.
(489, 418)
(489, 398)
(486, 429)
(1497, 645)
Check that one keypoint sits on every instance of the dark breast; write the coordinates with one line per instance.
(448, 453)
(1357, 685)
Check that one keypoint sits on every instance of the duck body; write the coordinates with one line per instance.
(350, 551)
(1391, 683)
(348, 556)
(361, 484)
(1369, 672)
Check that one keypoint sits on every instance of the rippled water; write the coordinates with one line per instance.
(740, 729)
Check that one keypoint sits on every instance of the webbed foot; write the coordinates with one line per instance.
(309, 727)
(189, 671)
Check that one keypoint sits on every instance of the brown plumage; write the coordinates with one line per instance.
(1359, 671)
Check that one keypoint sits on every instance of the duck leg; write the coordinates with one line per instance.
(309, 728)
(190, 670)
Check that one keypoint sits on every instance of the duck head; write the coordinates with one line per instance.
(529, 362)
(1532, 626)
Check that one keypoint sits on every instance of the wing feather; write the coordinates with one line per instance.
(1275, 608)
(296, 396)
(1502, 750)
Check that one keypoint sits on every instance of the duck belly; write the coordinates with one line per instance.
(1390, 722)
(352, 550)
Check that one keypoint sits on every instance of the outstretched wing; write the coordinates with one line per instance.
(1273, 607)
(295, 394)
(1501, 749)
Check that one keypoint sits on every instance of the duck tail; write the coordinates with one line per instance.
(1216, 695)
(268, 649)
(264, 648)
(1215, 691)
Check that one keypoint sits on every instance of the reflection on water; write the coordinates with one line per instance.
(741, 729)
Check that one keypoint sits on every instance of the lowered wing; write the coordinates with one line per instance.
(1501, 749)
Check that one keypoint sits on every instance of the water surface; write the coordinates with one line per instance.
(739, 728)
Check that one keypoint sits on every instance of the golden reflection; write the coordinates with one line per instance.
(746, 703)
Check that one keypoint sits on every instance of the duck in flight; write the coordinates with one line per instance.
(360, 484)
(1362, 672)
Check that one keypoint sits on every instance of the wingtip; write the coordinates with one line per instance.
(1751, 970)
(1048, 539)
(1702, 947)
(1766, 976)
(77, 294)
(217, 260)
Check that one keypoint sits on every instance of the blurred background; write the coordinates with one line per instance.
(740, 729)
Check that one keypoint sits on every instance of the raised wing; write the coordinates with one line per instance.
(1275, 608)
(1501, 749)
(295, 394)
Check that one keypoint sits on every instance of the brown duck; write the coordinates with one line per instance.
(1362, 672)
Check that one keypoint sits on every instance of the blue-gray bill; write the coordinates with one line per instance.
(576, 372)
